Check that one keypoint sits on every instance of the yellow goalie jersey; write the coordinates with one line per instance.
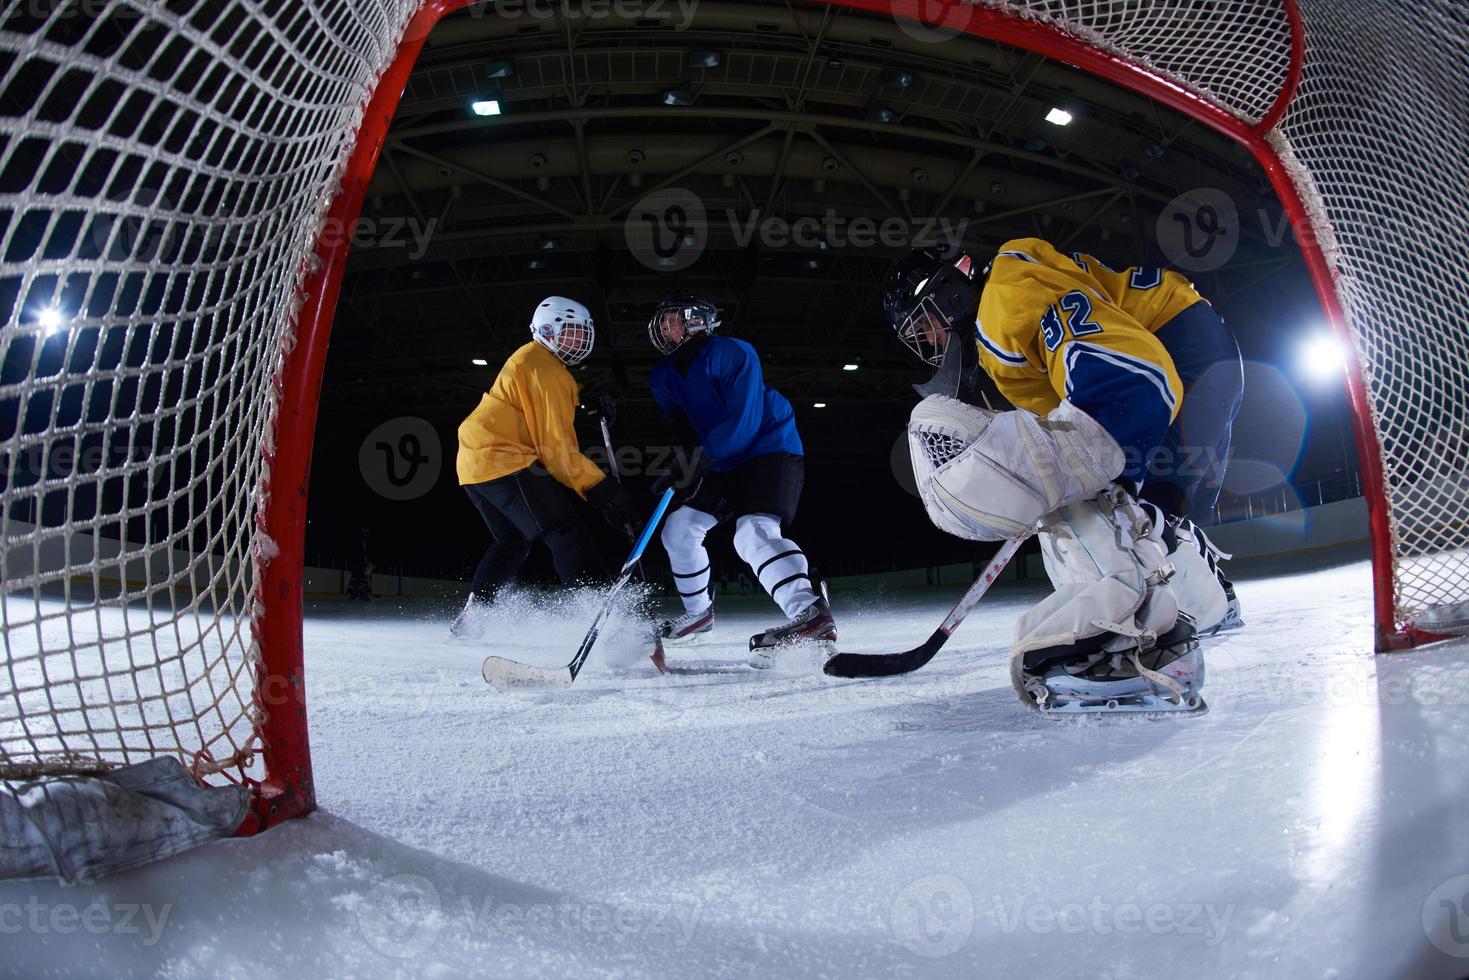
(1054, 326)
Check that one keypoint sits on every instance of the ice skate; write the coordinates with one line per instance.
(1162, 676)
(814, 624)
(684, 630)
(470, 623)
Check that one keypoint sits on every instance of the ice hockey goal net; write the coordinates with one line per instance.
(170, 175)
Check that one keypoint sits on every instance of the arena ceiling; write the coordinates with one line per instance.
(832, 119)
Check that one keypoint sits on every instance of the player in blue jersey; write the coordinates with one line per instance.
(749, 468)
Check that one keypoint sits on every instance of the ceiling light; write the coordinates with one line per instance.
(677, 97)
(849, 367)
(818, 404)
(898, 78)
(51, 320)
(704, 58)
(1058, 117)
(479, 362)
(499, 69)
(536, 265)
(485, 107)
(877, 112)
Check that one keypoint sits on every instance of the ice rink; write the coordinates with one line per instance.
(723, 822)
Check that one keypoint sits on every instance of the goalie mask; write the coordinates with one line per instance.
(678, 318)
(926, 296)
(564, 327)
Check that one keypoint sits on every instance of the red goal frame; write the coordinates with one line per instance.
(287, 790)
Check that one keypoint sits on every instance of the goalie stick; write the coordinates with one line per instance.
(888, 664)
(504, 673)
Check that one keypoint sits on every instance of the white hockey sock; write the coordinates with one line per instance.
(778, 562)
(683, 539)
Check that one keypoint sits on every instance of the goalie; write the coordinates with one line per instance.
(1098, 362)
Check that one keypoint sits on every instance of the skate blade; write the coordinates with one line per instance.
(1143, 705)
(692, 640)
(763, 658)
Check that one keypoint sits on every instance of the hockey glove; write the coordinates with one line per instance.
(686, 479)
(595, 399)
(616, 506)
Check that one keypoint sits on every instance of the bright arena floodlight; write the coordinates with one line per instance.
(479, 362)
(51, 320)
(849, 367)
(1058, 117)
(1322, 358)
(485, 107)
(818, 404)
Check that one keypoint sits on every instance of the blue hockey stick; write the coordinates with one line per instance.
(505, 673)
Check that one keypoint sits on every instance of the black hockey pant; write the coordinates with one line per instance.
(524, 507)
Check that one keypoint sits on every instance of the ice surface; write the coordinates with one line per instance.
(725, 822)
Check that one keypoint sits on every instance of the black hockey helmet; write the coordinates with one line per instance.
(928, 294)
(699, 316)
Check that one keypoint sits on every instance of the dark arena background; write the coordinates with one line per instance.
(779, 159)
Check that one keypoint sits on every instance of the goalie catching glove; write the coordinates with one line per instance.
(990, 476)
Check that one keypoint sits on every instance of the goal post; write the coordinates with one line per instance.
(174, 181)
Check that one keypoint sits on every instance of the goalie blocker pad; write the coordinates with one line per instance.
(990, 476)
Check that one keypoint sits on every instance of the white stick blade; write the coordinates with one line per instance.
(509, 675)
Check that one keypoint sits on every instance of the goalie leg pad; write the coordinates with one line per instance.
(1108, 632)
(989, 476)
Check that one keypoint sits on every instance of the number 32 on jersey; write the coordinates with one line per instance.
(1077, 307)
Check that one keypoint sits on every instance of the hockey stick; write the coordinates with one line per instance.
(612, 467)
(887, 664)
(503, 673)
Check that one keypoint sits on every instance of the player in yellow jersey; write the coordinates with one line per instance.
(519, 462)
(1125, 383)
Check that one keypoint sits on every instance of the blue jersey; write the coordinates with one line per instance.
(716, 382)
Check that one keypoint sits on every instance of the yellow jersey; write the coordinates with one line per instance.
(1054, 326)
(527, 415)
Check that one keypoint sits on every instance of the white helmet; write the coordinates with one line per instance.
(564, 327)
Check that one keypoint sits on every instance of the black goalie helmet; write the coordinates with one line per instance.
(695, 315)
(926, 296)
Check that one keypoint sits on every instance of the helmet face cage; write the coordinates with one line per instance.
(573, 340)
(698, 316)
(924, 308)
(926, 330)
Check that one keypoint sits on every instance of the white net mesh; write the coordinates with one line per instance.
(1374, 142)
(165, 168)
